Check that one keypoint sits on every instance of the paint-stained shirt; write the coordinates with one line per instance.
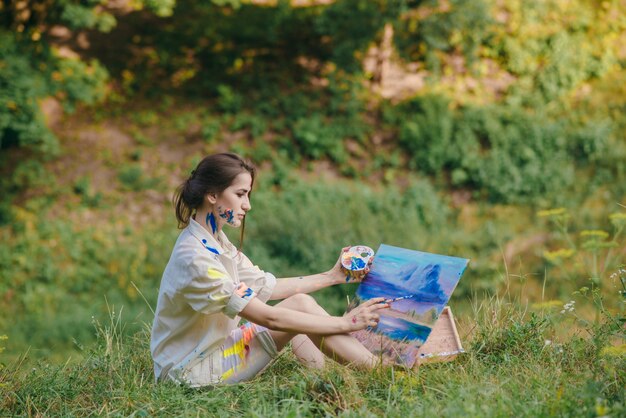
(198, 302)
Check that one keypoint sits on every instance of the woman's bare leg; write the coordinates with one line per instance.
(307, 352)
(341, 347)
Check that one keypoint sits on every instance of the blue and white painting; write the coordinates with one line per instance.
(419, 285)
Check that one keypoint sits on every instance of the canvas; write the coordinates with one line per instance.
(419, 285)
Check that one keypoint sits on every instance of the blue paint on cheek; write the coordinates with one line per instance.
(227, 214)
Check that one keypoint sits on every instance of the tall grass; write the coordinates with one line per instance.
(513, 367)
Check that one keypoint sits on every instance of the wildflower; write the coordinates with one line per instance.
(594, 233)
(602, 410)
(556, 256)
(568, 307)
(618, 219)
(614, 351)
(595, 240)
(551, 212)
(548, 305)
(547, 342)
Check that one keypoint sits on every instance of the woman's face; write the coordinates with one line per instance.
(233, 203)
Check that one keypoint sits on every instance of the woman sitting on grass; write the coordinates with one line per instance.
(209, 284)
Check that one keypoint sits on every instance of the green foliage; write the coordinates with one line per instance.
(511, 154)
(256, 125)
(47, 260)
(553, 47)
(318, 139)
(78, 16)
(33, 68)
(228, 100)
(462, 27)
(89, 198)
(515, 341)
(21, 122)
(348, 27)
(29, 174)
(80, 82)
(162, 8)
(589, 259)
(210, 130)
(133, 178)
(427, 134)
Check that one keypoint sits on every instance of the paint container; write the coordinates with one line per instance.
(356, 258)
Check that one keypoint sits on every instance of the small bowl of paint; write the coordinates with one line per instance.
(356, 258)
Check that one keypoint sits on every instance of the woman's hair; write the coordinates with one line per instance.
(212, 175)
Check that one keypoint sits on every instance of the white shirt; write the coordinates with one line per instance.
(197, 306)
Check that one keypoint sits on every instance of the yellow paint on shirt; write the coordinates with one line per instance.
(215, 274)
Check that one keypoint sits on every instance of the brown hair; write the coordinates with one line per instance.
(212, 175)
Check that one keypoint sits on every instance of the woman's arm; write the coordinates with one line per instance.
(306, 284)
(289, 320)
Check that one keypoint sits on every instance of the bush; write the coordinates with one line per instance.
(463, 27)
(21, 121)
(508, 153)
(133, 178)
(318, 138)
(80, 263)
(427, 133)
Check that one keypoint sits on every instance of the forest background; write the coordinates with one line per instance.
(488, 129)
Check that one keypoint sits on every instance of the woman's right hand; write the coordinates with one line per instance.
(366, 314)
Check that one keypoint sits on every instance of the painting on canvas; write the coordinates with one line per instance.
(419, 285)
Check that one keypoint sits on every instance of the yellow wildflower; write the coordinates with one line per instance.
(547, 305)
(551, 212)
(614, 351)
(2, 338)
(558, 255)
(594, 233)
(617, 219)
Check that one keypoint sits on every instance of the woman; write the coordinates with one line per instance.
(208, 285)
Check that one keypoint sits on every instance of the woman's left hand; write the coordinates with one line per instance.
(346, 276)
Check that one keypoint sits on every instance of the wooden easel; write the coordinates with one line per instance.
(443, 343)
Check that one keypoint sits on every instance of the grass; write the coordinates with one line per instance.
(509, 370)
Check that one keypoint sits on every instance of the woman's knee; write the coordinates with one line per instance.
(303, 302)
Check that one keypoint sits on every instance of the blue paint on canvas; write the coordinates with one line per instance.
(425, 283)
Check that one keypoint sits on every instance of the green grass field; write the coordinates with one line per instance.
(515, 365)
